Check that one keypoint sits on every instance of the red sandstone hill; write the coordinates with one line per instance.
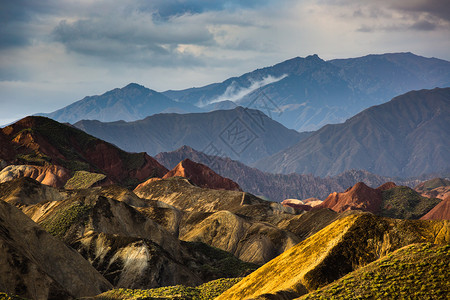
(388, 200)
(358, 197)
(199, 175)
(42, 141)
(440, 211)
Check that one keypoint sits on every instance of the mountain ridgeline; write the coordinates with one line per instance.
(407, 136)
(301, 93)
(130, 103)
(244, 134)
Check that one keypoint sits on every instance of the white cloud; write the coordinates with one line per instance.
(235, 92)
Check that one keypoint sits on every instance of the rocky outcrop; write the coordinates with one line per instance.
(51, 175)
(26, 191)
(250, 241)
(179, 192)
(358, 197)
(131, 262)
(36, 265)
(297, 204)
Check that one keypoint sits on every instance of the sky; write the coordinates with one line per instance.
(55, 52)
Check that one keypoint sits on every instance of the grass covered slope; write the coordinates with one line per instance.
(338, 249)
(206, 291)
(404, 203)
(419, 271)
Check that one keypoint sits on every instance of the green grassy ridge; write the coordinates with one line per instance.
(59, 224)
(417, 271)
(402, 202)
(206, 291)
(83, 180)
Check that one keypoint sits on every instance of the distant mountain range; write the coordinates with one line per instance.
(301, 93)
(243, 134)
(408, 136)
(133, 102)
(276, 187)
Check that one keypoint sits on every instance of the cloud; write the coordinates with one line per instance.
(424, 26)
(235, 91)
(169, 8)
(392, 15)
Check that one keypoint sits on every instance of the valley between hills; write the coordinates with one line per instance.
(136, 194)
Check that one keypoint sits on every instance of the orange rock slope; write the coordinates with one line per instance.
(358, 197)
(51, 175)
(199, 175)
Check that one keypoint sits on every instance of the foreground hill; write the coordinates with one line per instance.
(391, 139)
(418, 271)
(243, 134)
(308, 93)
(130, 103)
(276, 187)
(42, 141)
(338, 249)
(36, 265)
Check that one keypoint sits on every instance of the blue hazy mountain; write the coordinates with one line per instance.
(407, 136)
(132, 102)
(308, 93)
(242, 134)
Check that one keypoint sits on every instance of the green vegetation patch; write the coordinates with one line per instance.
(4, 296)
(83, 180)
(33, 159)
(404, 203)
(418, 271)
(206, 291)
(59, 224)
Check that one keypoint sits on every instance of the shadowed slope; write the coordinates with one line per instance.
(36, 265)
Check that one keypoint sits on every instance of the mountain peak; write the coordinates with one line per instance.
(313, 57)
(133, 85)
(202, 176)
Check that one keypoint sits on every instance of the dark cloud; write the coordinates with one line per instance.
(16, 19)
(135, 38)
(438, 8)
(424, 26)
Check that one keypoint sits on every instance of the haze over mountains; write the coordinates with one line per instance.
(408, 136)
(301, 93)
